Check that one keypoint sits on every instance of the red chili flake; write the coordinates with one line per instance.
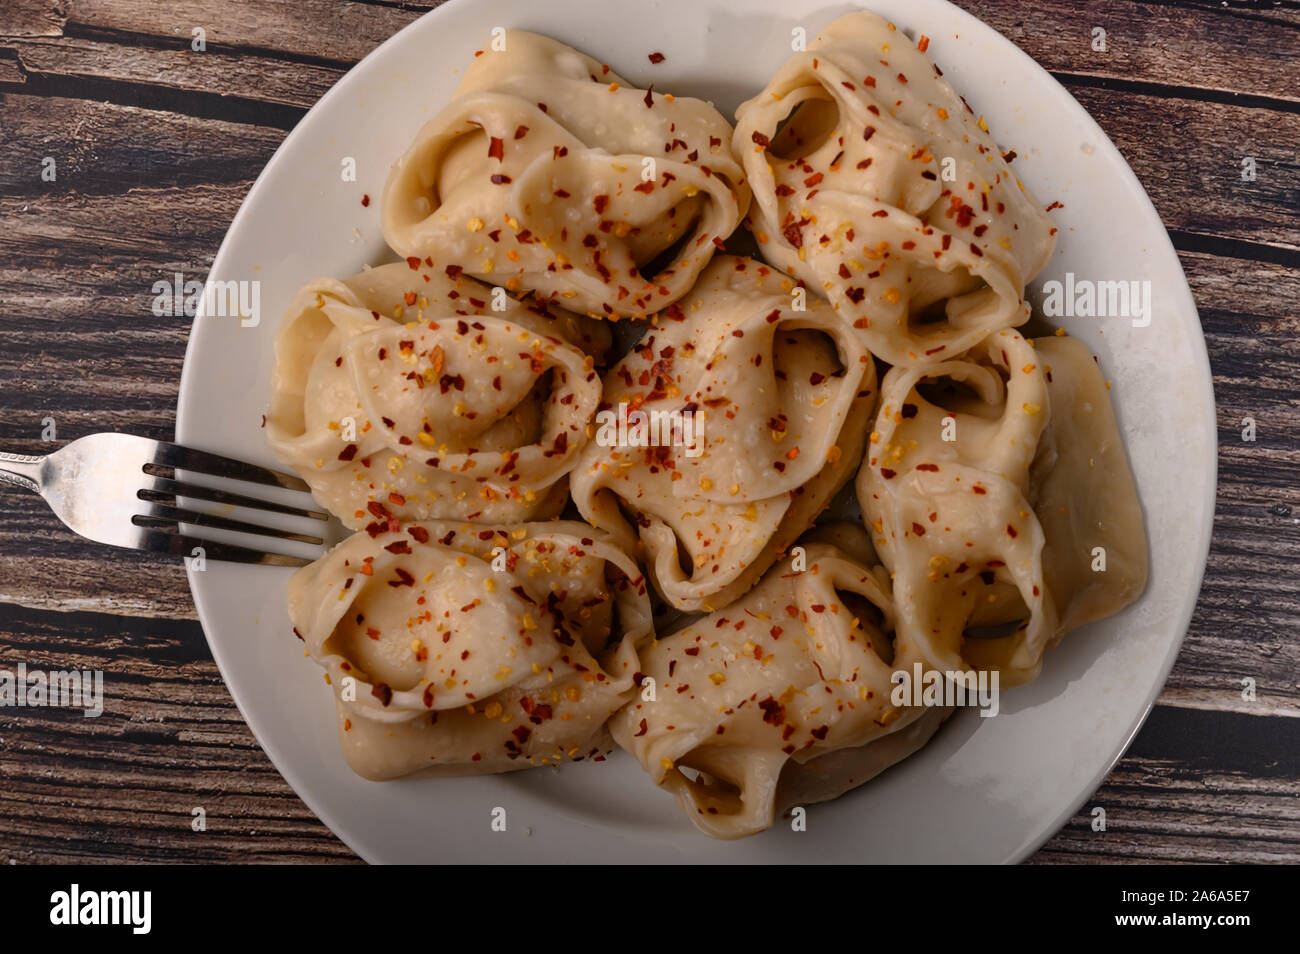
(870, 81)
(976, 251)
(656, 57)
(1009, 157)
(928, 467)
(855, 295)
(420, 534)
(819, 733)
(365, 201)
(454, 272)
(793, 234)
(760, 139)
(500, 180)
(399, 546)
(902, 78)
(643, 729)
(887, 473)
(496, 149)
(600, 203)
(1011, 532)
(918, 529)
(383, 692)
(348, 452)
(646, 187)
(812, 180)
(979, 490)
(784, 190)
(650, 97)
(521, 132)
(403, 579)
(923, 44)
(773, 711)
(1054, 205)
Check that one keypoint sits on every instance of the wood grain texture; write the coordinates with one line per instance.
(123, 786)
(156, 145)
(1194, 787)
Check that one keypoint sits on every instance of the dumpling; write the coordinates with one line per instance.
(1084, 493)
(774, 400)
(990, 483)
(460, 649)
(876, 185)
(401, 393)
(781, 698)
(550, 173)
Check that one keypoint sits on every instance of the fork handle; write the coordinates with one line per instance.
(21, 470)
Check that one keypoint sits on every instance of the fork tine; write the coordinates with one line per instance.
(186, 458)
(165, 488)
(165, 516)
(178, 544)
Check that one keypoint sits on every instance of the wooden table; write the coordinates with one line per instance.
(156, 145)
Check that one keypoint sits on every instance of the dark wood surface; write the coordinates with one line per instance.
(156, 146)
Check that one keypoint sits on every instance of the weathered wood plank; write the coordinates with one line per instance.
(123, 786)
(1144, 42)
(101, 147)
(1249, 612)
(315, 30)
(1194, 787)
(32, 18)
(1194, 46)
(243, 75)
(1187, 154)
(11, 71)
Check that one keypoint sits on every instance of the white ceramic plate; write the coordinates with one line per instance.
(985, 790)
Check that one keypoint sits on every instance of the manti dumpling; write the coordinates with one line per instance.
(846, 151)
(998, 494)
(402, 394)
(460, 649)
(782, 698)
(778, 399)
(550, 173)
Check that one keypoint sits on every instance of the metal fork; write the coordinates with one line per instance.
(123, 490)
